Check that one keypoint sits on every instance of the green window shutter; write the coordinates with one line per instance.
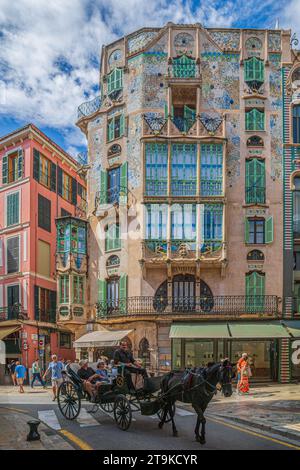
(36, 164)
(255, 181)
(124, 183)
(189, 113)
(109, 83)
(12, 209)
(255, 291)
(166, 111)
(119, 79)
(5, 169)
(103, 187)
(111, 130)
(247, 230)
(20, 164)
(101, 290)
(122, 125)
(269, 230)
(123, 286)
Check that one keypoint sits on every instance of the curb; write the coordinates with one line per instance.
(263, 427)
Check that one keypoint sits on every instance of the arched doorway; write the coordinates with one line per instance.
(144, 352)
(184, 295)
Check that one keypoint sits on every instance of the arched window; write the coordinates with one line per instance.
(296, 124)
(144, 352)
(113, 261)
(254, 72)
(255, 141)
(255, 255)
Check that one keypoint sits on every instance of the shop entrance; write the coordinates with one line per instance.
(197, 353)
(262, 354)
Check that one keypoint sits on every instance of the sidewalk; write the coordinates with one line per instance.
(14, 430)
(273, 408)
(38, 395)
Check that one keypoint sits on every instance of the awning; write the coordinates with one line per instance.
(101, 338)
(293, 327)
(197, 330)
(258, 330)
(4, 332)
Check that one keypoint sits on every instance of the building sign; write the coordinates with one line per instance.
(255, 212)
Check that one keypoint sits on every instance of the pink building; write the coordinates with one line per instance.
(39, 183)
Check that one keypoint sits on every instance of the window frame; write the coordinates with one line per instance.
(6, 254)
(42, 213)
(12, 193)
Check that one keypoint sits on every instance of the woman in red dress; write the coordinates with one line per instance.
(245, 374)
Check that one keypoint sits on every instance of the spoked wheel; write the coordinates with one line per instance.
(122, 412)
(68, 400)
(160, 414)
(108, 407)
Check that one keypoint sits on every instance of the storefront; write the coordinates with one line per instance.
(196, 345)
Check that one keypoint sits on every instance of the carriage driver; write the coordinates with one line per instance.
(91, 381)
(122, 356)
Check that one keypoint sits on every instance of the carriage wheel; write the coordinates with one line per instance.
(108, 407)
(160, 413)
(68, 400)
(122, 412)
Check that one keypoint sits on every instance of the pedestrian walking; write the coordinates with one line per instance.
(55, 368)
(245, 375)
(11, 368)
(239, 365)
(20, 372)
(36, 373)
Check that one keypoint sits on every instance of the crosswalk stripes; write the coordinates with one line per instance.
(85, 419)
(49, 417)
(179, 412)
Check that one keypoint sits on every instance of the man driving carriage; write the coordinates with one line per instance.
(122, 356)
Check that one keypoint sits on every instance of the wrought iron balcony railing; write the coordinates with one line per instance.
(255, 195)
(173, 249)
(211, 188)
(183, 67)
(45, 316)
(115, 195)
(89, 107)
(183, 124)
(13, 312)
(231, 306)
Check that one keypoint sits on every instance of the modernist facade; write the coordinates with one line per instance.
(185, 191)
(40, 185)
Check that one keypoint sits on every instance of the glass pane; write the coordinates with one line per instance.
(198, 353)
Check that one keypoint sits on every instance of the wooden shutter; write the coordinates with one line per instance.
(102, 290)
(123, 293)
(109, 82)
(118, 79)
(12, 209)
(111, 130)
(122, 125)
(103, 187)
(5, 169)
(53, 177)
(74, 191)
(269, 230)
(20, 163)
(13, 255)
(247, 230)
(52, 306)
(44, 213)
(36, 164)
(59, 181)
(189, 113)
(124, 183)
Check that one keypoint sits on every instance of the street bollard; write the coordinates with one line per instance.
(33, 431)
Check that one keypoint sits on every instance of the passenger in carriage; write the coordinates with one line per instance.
(90, 379)
(122, 356)
(102, 371)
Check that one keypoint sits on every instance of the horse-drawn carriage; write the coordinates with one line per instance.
(113, 397)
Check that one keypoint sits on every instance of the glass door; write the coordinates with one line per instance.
(184, 292)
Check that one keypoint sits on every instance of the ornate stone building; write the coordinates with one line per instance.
(185, 191)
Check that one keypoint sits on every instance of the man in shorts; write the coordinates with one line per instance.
(20, 372)
(55, 367)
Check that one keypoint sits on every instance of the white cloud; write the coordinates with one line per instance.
(37, 37)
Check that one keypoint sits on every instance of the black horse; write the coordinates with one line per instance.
(198, 388)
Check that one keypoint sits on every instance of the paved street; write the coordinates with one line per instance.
(100, 432)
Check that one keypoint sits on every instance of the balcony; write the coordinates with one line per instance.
(255, 195)
(210, 188)
(182, 188)
(110, 197)
(45, 316)
(157, 252)
(14, 312)
(89, 107)
(183, 67)
(234, 306)
(184, 125)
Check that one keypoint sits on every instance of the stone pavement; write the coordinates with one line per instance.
(273, 408)
(14, 430)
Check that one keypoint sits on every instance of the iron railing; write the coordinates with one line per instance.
(255, 195)
(183, 187)
(13, 312)
(113, 195)
(45, 316)
(232, 306)
(175, 248)
(89, 107)
(183, 124)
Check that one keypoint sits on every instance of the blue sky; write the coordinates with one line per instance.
(50, 50)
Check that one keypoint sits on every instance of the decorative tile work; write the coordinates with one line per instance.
(139, 41)
(154, 87)
(135, 83)
(115, 59)
(207, 45)
(226, 39)
(134, 155)
(184, 43)
(233, 148)
(161, 45)
(275, 81)
(220, 78)
(274, 42)
(276, 146)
